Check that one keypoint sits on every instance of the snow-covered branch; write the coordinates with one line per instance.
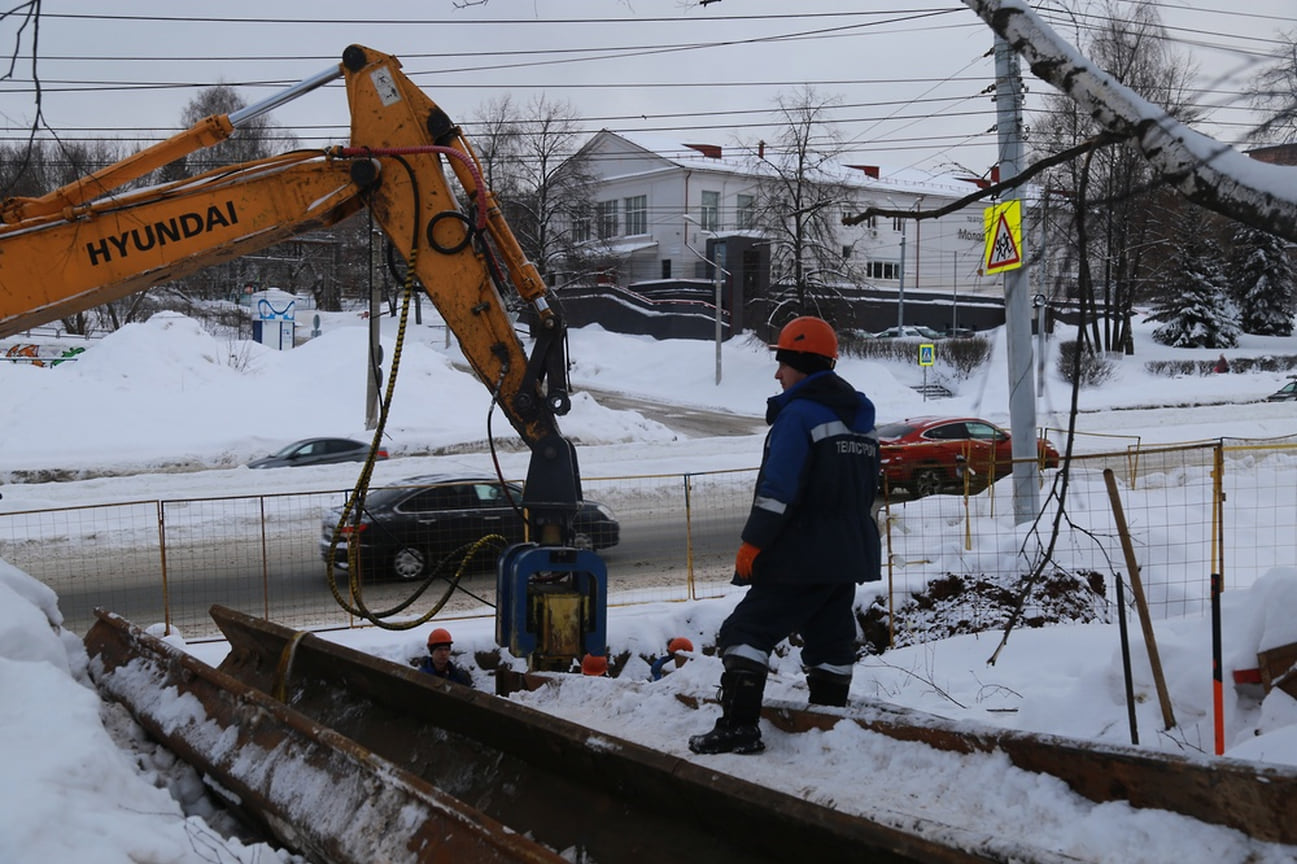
(1204, 170)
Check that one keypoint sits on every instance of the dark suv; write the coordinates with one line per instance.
(409, 527)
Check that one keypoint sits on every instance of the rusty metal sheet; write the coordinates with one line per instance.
(320, 793)
(575, 789)
(1257, 799)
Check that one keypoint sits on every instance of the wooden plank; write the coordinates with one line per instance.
(1255, 798)
(1276, 665)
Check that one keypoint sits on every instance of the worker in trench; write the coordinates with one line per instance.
(438, 662)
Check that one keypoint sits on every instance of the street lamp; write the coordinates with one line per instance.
(900, 287)
(954, 295)
(1040, 302)
(721, 273)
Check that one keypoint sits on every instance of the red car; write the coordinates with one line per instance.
(926, 455)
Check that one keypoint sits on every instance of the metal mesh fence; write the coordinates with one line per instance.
(1190, 510)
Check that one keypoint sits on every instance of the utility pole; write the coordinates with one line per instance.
(719, 250)
(900, 285)
(954, 292)
(1017, 303)
(718, 247)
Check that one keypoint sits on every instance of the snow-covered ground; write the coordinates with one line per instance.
(163, 395)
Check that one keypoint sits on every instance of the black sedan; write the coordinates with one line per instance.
(317, 451)
(408, 528)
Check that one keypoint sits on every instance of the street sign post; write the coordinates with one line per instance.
(927, 357)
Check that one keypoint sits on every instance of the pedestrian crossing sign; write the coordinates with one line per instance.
(1003, 229)
(927, 354)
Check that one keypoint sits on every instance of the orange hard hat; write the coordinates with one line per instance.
(680, 643)
(440, 636)
(808, 335)
(594, 664)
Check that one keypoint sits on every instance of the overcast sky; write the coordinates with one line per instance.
(909, 76)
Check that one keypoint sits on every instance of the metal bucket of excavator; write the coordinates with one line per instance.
(367, 740)
(587, 793)
(319, 793)
(1254, 798)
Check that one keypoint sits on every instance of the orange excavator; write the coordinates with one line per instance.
(95, 240)
(349, 758)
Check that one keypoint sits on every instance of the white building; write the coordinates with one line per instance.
(666, 205)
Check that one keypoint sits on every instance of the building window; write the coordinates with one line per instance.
(580, 224)
(846, 252)
(896, 223)
(666, 268)
(636, 214)
(711, 215)
(883, 270)
(605, 215)
(745, 211)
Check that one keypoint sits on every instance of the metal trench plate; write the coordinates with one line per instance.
(590, 794)
(1255, 798)
(321, 794)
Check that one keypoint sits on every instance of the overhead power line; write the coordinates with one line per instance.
(808, 26)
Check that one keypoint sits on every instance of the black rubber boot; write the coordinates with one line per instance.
(828, 688)
(742, 685)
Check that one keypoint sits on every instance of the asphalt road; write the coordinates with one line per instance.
(688, 421)
(291, 582)
(140, 580)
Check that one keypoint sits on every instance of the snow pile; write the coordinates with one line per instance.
(70, 792)
(92, 799)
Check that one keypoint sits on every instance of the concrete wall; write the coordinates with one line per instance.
(682, 309)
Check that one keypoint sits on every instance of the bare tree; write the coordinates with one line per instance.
(1200, 168)
(551, 180)
(1277, 95)
(799, 202)
(1126, 228)
(496, 133)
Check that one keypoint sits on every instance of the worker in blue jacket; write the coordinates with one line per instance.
(809, 539)
(438, 662)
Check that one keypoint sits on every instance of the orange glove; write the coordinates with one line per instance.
(743, 561)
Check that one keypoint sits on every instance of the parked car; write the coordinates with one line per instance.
(1286, 393)
(927, 455)
(909, 331)
(407, 528)
(317, 451)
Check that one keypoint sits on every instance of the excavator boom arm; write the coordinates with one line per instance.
(53, 267)
(70, 250)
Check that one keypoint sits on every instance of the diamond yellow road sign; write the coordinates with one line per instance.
(1003, 228)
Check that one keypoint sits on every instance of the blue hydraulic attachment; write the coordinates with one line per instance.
(551, 604)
